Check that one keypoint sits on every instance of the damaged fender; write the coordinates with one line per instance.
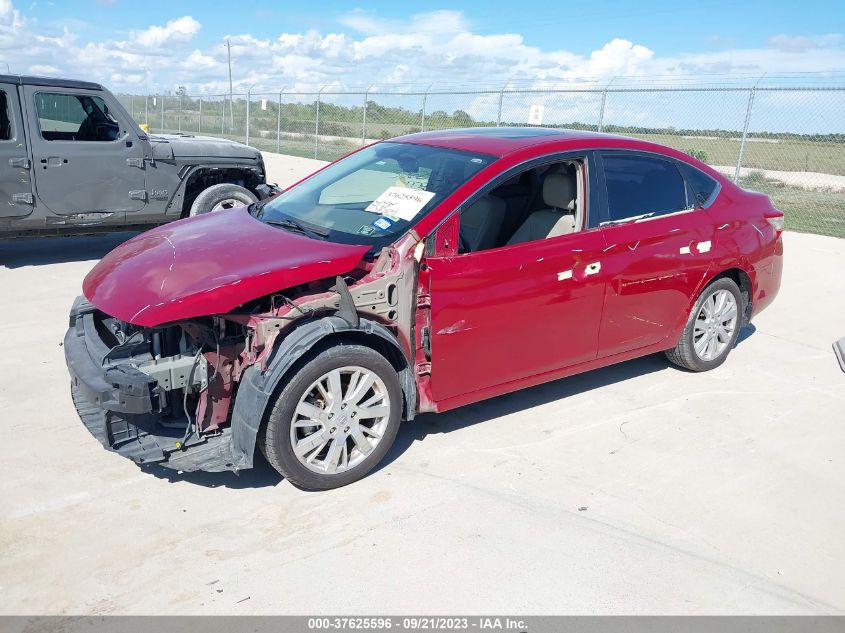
(257, 386)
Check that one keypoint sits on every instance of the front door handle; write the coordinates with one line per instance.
(23, 198)
(23, 163)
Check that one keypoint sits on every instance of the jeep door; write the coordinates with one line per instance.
(85, 158)
(15, 184)
(658, 249)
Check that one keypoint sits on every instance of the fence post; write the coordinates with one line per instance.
(317, 123)
(279, 124)
(601, 112)
(364, 122)
(199, 125)
(223, 116)
(179, 119)
(425, 99)
(162, 113)
(501, 97)
(248, 99)
(744, 133)
(603, 103)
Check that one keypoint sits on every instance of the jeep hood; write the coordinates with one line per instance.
(208, 264)
(168, 146)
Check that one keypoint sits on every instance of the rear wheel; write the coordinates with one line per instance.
(335, 419)
(220, 197)
(712, 328)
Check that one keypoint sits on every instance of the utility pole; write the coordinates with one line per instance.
(231, 103)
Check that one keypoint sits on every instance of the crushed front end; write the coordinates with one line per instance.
(157, 395)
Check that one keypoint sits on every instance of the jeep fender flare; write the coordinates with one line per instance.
(256, 387)
(184, 173)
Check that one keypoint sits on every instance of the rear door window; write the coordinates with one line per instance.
(5, 118)
(642, 186)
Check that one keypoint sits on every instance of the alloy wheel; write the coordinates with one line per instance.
(715, 324)
(340, 419)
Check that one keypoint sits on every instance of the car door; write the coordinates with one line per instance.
(508, 313)
(15, 168)
(657, 250)
(82, 161)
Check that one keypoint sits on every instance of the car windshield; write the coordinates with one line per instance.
(374, 195)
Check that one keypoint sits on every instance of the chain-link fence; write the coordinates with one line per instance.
(786, 141)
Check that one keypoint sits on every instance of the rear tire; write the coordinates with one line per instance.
(220, 197)
(712, 327)
(334, 419)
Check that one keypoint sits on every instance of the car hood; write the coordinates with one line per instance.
(208, 264)
(168, 146)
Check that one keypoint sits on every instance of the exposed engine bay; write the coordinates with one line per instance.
(172, 387)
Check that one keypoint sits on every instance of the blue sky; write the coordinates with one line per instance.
(156, 46)
(665, 26)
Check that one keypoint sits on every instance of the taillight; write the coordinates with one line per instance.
(775, 219)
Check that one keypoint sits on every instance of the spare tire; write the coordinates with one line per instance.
(222, 196)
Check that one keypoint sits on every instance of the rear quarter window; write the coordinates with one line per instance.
(702, 186)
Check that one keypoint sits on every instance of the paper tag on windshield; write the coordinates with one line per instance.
(400, 202)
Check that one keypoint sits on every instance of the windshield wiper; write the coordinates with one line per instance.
(296, 227)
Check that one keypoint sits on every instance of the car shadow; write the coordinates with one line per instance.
(54, 250)
(434, 423)
(264, 475)
(261, 475)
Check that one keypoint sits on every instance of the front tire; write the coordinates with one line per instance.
(220, 197)
(335, 418)
(712, 327)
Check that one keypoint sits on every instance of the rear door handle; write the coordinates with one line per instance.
(23, 163)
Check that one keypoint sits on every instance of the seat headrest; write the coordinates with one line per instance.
(559, 191)
(475, 215)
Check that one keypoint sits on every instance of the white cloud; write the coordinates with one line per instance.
(175, 31)
(802, 44)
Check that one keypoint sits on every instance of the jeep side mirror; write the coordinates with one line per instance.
(265, 190)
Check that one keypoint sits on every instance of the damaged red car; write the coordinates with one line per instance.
(414, 275)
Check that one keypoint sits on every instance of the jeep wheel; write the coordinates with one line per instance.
(222, 196)
(335, 419)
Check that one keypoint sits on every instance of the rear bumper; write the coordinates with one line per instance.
(122, 407)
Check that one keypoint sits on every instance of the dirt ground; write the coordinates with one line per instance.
(633, 489)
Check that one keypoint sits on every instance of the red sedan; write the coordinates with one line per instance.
(417, 274)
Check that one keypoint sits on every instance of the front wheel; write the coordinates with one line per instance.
(335, 419)
(712, 328)
(223, 196)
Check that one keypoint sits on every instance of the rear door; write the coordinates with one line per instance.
(15, 185)
(84, 158)
(658, 250)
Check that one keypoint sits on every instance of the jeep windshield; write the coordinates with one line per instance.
(374, 195)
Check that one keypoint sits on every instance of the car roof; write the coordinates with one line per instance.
(499, 141)
(29, 80)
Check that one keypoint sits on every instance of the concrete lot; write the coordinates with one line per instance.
(634, 489)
